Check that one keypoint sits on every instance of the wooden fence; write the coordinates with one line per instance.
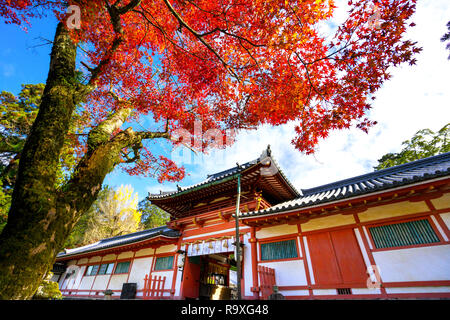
(266, 280)
(154, 287)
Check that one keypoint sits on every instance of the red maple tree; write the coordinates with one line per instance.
(232, 64)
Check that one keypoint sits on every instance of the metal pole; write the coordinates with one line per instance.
(237, 242)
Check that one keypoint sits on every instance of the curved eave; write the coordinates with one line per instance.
(231, 175)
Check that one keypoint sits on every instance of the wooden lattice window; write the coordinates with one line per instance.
(278, 250)
(164, 263)
(92, 270)
(122, 267)
(106, 268)
(402, 234)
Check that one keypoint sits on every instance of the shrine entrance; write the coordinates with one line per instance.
(210, 276)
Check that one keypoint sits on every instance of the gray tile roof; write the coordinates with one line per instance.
(121, 240)
(223, 175)
(401, 175)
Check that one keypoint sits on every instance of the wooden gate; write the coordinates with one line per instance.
(266, 280)
(154, 287)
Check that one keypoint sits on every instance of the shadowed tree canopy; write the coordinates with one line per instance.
(231, 65)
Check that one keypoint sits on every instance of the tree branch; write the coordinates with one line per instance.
(200, 38)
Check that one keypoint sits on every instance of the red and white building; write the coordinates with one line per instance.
(380, 235)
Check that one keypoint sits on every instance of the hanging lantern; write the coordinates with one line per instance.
(181, 259)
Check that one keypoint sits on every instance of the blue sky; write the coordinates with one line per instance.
(414, 98)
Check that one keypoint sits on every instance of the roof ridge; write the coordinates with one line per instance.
(379, 173)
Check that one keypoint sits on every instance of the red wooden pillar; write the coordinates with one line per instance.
(254, 254)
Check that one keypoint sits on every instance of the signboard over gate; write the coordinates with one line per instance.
(210, 246)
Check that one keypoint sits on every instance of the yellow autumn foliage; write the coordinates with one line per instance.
(116, 215)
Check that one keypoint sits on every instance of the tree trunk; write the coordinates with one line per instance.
(42, 215)
(35, 231)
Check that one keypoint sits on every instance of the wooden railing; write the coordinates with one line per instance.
(154, 287)
(267, 281)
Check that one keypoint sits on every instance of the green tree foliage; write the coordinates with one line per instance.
(152, 216)
(48, 289)
(17, 115)
(425, 143)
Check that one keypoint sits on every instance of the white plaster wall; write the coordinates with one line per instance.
(247, 272)
(101, 281)
(366, 259)
(446, 218)
(308, 260)
(438, 226)
(117, 280)
(418, 290)
(86, 283)
(67, 283)
(366, 291)
(323, 292)
(288, 273)
(178, 283)
(414, 264)
(139, 269)
(288, 293)
(79, 275)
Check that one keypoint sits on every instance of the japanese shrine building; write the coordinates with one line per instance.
(384, 235)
